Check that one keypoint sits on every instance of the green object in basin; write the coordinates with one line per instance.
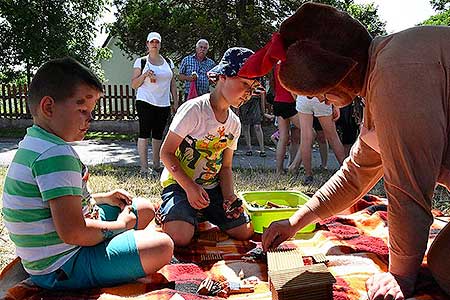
(262, 217)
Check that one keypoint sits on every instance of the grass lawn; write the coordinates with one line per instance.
(106, 177)
(18, 133)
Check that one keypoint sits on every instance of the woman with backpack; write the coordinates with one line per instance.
(154, 81)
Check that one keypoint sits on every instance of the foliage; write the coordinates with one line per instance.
(442, 18)
(367, 14)
(182, 23)
(443, 15)
(224, 24)
(37, 31)
(440, 5)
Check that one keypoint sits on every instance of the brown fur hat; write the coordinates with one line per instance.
(325, 48)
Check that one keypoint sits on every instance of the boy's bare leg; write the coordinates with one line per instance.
(181, 232)
(241, 233)
(155, 249)
(142, 147)
(146, 212)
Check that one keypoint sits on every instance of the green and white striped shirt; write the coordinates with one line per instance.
(45, 167)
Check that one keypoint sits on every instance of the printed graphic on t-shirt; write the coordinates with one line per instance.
(202, 159)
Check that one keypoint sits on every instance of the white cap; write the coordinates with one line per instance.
(153, 36)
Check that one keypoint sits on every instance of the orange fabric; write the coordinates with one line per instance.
(355, 244)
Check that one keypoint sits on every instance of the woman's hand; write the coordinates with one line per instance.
(148, 73)
(277, 233)
(118, 197)
(387, 286)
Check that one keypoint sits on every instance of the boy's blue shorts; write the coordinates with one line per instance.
(111, 262)
(175, 207)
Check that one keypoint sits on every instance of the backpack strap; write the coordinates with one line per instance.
(143, 63)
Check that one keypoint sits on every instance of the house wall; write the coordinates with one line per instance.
(119, 67)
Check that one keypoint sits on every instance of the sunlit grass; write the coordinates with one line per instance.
(106, 177)
(18, 133)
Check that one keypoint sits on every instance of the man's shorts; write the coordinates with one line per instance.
(284, 109)
(108, 263)
(175, 207)
(313, 107)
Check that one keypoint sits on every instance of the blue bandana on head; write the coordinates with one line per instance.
(231, 62)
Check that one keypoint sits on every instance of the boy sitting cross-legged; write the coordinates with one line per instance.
(198, 153)
(66, 237)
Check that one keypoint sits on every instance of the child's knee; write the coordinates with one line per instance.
(146, 212)
(155, 249)
(181, 238)
(180, 232)
(241, 233)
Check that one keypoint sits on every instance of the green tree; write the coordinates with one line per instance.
(181, 23)
(36, 31)
(440, 5)
(224, 24)
(443, 17)
(367, 14)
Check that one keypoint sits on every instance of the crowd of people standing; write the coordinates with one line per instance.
(154, 79)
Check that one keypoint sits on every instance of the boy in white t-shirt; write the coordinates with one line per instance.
(198, 153)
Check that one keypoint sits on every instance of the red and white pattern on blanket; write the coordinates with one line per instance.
(355, 245)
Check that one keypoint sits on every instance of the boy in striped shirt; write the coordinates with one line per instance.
(66, 237)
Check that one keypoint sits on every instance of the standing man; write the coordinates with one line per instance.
(194, 67)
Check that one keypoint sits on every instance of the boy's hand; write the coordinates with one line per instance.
(119, 198)
(127, 217)
(233, 207)
(197, 196)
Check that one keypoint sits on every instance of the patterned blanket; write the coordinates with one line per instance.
(355, 245)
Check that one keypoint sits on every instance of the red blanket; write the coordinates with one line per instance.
(355, 245)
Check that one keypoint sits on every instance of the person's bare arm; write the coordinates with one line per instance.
(197, 196)
(227, 185)
(74, 229)
(138, 78)
(359, 173)
(184, 77)
(226, 175)
(174, 92)
(117, 197)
